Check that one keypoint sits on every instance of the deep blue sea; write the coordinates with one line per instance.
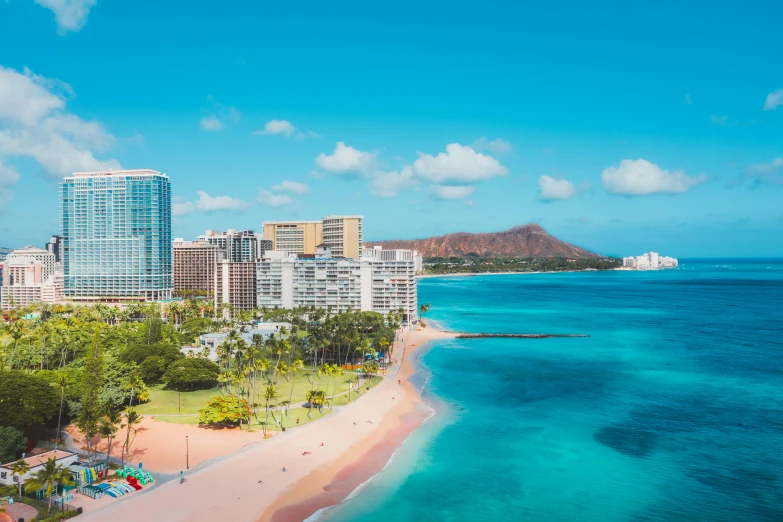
(671, 411)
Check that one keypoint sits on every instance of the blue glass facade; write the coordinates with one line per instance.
(117, 235)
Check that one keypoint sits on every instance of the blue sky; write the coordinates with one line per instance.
(621, 128)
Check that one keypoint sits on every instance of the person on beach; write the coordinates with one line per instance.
(322, 444)
(284, 470)
(398, 381)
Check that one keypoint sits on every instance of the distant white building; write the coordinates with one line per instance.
(650, 261)
(31, 275)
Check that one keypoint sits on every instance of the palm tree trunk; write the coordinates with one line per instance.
(59, 418)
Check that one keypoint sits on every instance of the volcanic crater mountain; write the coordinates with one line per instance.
(529, 240)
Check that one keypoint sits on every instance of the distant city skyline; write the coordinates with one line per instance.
(620, 130)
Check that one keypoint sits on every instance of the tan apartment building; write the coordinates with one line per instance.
(342, 234)
(195, 267)
(296, 237)
(237, 284)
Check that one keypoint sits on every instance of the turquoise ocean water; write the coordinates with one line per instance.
(672, 410)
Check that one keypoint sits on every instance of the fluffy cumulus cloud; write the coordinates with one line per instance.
(642, 178)
(34, 123)
(283, 127)
(774, 99)
(347, 160)
(181, 207)
(270, 199)
(552, 189)
(210, 123)
(446, 192)
(293, 187)
(389, 184)
(70, 15)
(459, 164)
(207, 203)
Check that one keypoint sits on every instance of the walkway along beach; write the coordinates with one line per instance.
(344, 450)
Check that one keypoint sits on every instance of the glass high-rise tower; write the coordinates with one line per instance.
(117, 235)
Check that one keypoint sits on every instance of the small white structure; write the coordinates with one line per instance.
(213, 340)
(36, 463)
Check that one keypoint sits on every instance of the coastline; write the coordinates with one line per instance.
(345, 449)
(340, 479)
(472, 274)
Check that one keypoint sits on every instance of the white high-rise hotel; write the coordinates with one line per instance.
(117, 235)
(380, 281)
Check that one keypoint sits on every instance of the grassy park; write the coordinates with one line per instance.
(183, 407)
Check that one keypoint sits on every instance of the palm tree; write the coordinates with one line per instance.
(19, 468)
(269, 394)
(296, 365)
(314, 397)
(50, 478)
(132, 419)
(423, 309)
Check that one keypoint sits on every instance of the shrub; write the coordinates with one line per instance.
(191, 374)
(224, 411)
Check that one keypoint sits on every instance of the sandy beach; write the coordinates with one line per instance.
(344, 449)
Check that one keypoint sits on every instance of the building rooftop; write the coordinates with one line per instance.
(41, 458)
(135, 172)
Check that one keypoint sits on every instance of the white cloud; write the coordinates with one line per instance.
(642, 178)
(459, 164)
(35, 124)
(70, 15)
(8, 175)
(270, 199)
(283, 127)
(219, 115)
(346, 159)
(497, 145)
(180, 207)
(767, 173)
(293, 187)
(207, 203)
(389, 184)
(441, 192)
(210, 123)
(774, 99)
(550, 189)
(767, 167)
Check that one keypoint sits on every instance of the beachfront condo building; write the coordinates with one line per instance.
(379, 281)
(117, 235)
(238, 245)
(342, 234)
(30, 275)
(195, 268)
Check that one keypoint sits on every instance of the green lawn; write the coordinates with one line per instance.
(166, 404)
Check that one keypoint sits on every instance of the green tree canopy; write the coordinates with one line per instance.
(138, 353)
(25, 399)
(12, 444)
(152, 369)
(191, 374)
